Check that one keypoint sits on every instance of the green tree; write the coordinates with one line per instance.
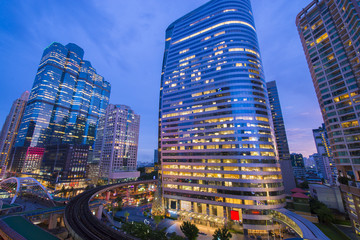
(304, 185)
(343, 180)
(157, 235)
(222, 234)
(315, 205)
(127, 214)
(176, 237)
(139, 230)
(114, 210)
(72, 191)
(157, 220)
(190, 230)
(324, 214)
(63, 191)
(119, 202)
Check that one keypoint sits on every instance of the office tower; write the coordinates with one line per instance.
(92, 172)
(65, 103)
(319, 165)
(281, 139)
(329, 32)
(298, 165)
(117, 143)
(309, 163)
(326, 163)
(156, 156)
(66, 162)
(217, 145)
(10, 130)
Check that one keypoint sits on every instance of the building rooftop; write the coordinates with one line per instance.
(17, 225)
(299, 195)
(320, 185)
(298, 190)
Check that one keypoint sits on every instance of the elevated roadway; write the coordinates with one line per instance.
(82, 224)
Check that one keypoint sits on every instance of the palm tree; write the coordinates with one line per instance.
(62, 191)
(72, 191)
(127, 214)
(190, 230)
(222, 234)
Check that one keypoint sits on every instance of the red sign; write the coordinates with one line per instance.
(235, 215)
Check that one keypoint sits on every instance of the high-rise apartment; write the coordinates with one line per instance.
(117, 143)
(66, 101)
(281, 139)
(329, 32)
(298, 165)
(217, 146)
(325, 163)
(10, 130)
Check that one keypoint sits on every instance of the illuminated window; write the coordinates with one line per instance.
(184, 51)
(330, 57)
(350, 124)
(322, 37)
(236, 49)
(220, 33)
(213, 27)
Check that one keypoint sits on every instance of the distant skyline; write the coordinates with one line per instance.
(125, 41)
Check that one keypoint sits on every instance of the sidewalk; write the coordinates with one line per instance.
(348, 231)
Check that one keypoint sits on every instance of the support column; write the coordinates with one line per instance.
(108, 196)
(52, 221)
(62, 223)
(99, 211)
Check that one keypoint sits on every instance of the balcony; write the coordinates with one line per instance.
(352, 188)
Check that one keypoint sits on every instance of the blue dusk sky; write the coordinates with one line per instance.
(124, 41)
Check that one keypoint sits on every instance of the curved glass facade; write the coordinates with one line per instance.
(216, 139)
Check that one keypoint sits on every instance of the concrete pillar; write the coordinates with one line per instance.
(52, 221)
(108, 196)
(62, 223)
(99, 211)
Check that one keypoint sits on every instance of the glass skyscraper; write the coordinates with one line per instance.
(66, 101)
(281, 139)
(216, 146)
(330, 35)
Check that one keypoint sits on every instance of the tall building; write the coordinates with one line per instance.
(298, 165)
(309, 163)
(217, 146)
(156, 156)
(10, 130)
(66, 101)
(67, 162)
(329, 32)
(281, 139)
(325, 163)
(117, 143)
(319, 165)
